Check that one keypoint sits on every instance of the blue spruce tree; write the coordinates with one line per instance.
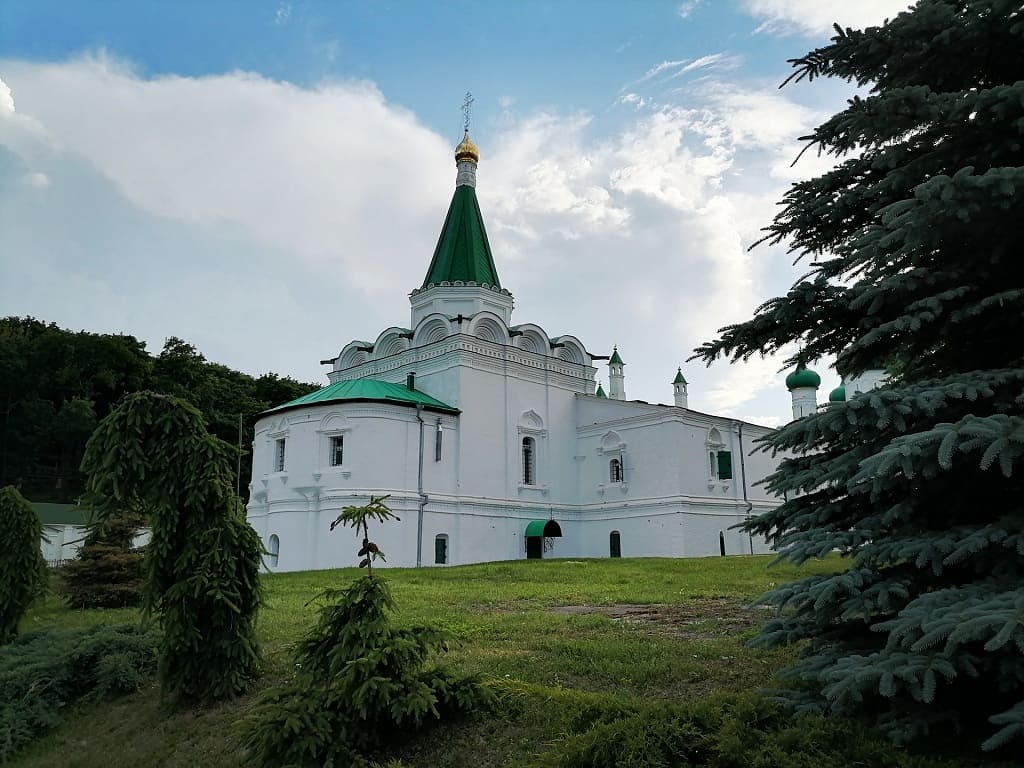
(916, 236)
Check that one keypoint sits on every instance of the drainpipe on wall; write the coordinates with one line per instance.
(419, 490)
(743, 471)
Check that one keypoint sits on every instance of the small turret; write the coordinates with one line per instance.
(600, 391)
(679, 389)
(803, 385)
(616, 378)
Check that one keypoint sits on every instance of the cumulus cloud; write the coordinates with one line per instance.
(271, 224)
(6, 99)
(813, 17)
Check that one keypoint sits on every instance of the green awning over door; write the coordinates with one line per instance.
(546, 528)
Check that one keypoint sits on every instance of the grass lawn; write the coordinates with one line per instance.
(552, 634)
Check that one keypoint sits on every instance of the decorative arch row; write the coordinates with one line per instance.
(486, 326)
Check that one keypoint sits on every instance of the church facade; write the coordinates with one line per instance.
(493, 440)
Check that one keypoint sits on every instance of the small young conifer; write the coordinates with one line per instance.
(361, 683)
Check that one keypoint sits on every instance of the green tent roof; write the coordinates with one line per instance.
(615, 357)
(463, 252)
(679, 377)
(600, 392)
(362, 390)
(543, 528)
(60, 514)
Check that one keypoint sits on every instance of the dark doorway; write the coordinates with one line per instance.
(441, 550)
(534, 547)
(615, 544)
(721, 542)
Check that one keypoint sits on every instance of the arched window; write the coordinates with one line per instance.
(441, 549)
(273, 550)
(614, 544)
(615, 471)
(529, 461)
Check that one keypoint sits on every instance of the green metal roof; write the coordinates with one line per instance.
(368, 390)
(803, 377)
(679, 377)
(543, 528)
(462, 251)
(615, 357)
(600, 392)
(60, 514)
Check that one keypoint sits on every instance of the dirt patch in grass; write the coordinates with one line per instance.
(697, 619)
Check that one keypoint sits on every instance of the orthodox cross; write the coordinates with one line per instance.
(467, 107)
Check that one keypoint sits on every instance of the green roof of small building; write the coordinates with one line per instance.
(615, 357)
(838, 395)
(600, 392)
(462, 251)
(363, 390)
(60, 514)
(803, 377)
(679, 379)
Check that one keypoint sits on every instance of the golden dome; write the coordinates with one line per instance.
(467, 150)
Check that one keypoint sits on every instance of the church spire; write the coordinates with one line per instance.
(462, 251)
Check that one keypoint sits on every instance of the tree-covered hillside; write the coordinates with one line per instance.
(56, 385)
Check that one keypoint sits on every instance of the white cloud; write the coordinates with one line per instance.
(814, 17)
(6, 99)
(271, 224)
(687, 7)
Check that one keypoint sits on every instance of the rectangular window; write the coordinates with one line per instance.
(529, 457)
(714, 464)
(337, 450)
(279, 455)
(437, 443)
(725, 465)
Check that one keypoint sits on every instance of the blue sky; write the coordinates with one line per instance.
(267, 179)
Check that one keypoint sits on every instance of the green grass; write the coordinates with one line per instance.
(547, 662)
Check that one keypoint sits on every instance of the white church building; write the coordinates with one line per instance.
(493, 440)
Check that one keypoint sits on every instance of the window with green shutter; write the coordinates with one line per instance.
(725, 465)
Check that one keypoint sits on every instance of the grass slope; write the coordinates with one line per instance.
(554, 635)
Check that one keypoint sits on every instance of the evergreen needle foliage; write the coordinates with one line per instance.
(920, 484)
(202, 563)
(22, 567)
(43, 672)
(108, 570)
(361, 684)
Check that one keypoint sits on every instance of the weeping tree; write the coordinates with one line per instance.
(202, 563)
(22, 567)
(915, 237)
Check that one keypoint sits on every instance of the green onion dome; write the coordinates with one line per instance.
(803, 377)
(838, 395)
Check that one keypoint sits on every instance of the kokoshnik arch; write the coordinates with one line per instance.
(494, 440)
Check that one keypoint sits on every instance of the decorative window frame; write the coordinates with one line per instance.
(278, 432)
(532, 425)
(334, 425)
(713, 444)
(611, 447)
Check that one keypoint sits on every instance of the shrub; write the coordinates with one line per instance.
(22, 567)
(720, 732)
(108, 570)
(44, 671)
(362, 684)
